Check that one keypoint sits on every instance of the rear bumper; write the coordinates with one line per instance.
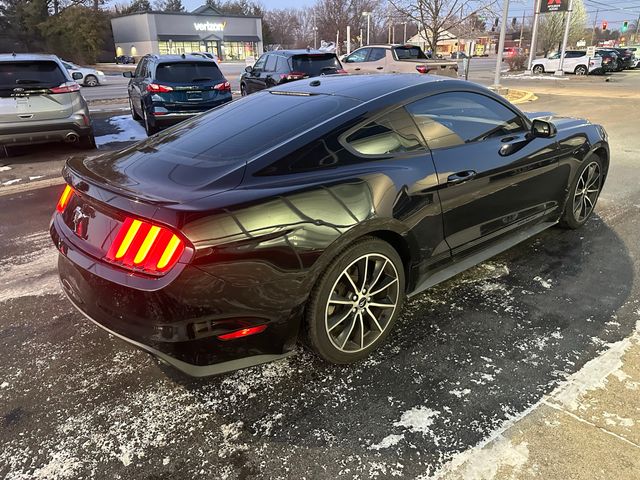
(24, 133)
(180, 322)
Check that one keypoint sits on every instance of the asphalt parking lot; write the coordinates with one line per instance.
(465, 357)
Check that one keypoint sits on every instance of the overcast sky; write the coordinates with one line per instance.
(614, 12)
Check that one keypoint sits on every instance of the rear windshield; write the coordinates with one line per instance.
(42, 74)
(188, 72)
(409, 53)
(316, 64)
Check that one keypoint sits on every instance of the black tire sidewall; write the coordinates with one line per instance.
(568, 219)
(317, 335)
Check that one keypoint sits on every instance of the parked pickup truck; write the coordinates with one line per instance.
(396, 59)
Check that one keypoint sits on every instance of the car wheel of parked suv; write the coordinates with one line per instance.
(243, 90)
(581, 70)
(538, 69)
(150, 129)
(356, 301)
(585, 190)
(134, 114)
(91, 81)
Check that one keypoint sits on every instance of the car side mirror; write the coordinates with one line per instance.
(543, 129)
(127, 74)
(76, 75)
(248, 69)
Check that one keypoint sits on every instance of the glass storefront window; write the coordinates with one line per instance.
(239, 50)
(177, 48)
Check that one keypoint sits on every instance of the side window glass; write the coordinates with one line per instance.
(377, 54)
(358, 56)
(554, 57)
(281, 64)
(270, 65)
(392, 133)
(450, 119)
(138, 72)
(259, 65)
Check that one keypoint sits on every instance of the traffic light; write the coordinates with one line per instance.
(625, 26)
(605, 24)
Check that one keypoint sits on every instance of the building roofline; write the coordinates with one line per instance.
(190, 14)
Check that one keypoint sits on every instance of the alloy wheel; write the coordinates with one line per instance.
(580, 70)
(586, 192)
(362, 303)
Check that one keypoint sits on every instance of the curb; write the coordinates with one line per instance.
(528, 97)
(24, 187)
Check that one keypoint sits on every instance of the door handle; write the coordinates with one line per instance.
(379, 68)
(461, 177)
(357, 69)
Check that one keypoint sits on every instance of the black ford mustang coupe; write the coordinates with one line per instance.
(311, 211)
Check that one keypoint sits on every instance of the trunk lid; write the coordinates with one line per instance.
(193, 84)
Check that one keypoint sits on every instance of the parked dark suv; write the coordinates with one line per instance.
(166, 89)
(282, 66)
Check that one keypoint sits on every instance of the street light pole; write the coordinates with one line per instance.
(503, 34)
(565, 39)
(405, 33)
(595, 22)
(534, 37)
(368, 15)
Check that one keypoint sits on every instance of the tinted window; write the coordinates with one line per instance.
(451, 119)
(139, 68)
(282, 65)
(409, 53)
(554, 56)
(358, 55)
(377, 54)
(242, 129)
(574, 54)
(270, 65)
(45, 74)
(316, 64)
(259, 65)
(394, 132)
(188, 72)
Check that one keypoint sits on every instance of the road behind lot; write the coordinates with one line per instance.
(465, 357)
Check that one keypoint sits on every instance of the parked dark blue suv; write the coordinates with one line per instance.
(166, 89)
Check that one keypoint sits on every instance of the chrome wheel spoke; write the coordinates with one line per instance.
(389, 283)
(347, 335)
(353, 284)
(375, 320)
(586, 192)
(333, 322)
(377, 274)
(382, 305)
(364, 274)
(361, 330)
(337, 299)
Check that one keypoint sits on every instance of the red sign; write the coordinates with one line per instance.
(550, 6)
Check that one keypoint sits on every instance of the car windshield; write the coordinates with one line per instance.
(409, 53)
(33, 74)
(188, 72)
(316, 64)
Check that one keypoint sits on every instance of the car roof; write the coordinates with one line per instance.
(300, 51)
(22, 57)
(182, 58)
(360, 87)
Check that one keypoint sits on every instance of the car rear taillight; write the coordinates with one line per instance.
(341, 71)
(66, 87)
(67, 193)
(245, 332)
(421, 68)
(143, 246)
(157, 88)
(293, 76)
(223, 87)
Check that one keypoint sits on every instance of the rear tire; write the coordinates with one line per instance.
(243, 90)
(134, 114)
(538, 69)
(355, 302)
(91, 81)
(150, 129)
(88, 142)
(581, 70)
(583, 194)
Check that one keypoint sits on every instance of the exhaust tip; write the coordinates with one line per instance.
(71, 137)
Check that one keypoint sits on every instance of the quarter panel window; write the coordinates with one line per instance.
(392, 133)
(270, 65)
(358, 56)
(450, 119)
(377, 54)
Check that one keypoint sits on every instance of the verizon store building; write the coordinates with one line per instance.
(230, 37)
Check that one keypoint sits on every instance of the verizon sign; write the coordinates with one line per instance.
(550, 6)
(209, 26)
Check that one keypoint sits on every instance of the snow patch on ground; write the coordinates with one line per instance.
(388, 441)
(11, 182)
(4, 168)
(545, 283)
(418, 419)
(128, 130)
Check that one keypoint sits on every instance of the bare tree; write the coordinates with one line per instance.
(332, 16)
(284, 25)
(435, 17)
(551, 27)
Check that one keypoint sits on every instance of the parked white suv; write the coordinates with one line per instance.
(90, 77)
(575, 61)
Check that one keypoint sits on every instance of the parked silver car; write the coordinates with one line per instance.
(40, 101)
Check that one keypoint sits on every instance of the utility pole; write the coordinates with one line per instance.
(348, 39)
(595, 22)
(315, 32)
(368, 15)
(565, 39)
(637, 28)
(405, 33)
(503, 34)
(534, 36)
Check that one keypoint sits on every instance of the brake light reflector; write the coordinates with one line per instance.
(245, 332)
(140, 245)
(66, 87)
(421, 68)
(223, 87)
(293, 76)
(64, 198)
(157, 88)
